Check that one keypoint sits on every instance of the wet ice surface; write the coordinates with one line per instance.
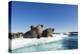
(58, 42)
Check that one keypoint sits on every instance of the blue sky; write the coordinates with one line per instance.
(59, 16)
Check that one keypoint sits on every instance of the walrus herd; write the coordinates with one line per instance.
(38, 32)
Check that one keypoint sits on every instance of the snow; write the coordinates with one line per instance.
(20, 42)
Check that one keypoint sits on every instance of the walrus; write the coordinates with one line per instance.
(48, 32)
(31, 33)
(35, 32)
(39, 30)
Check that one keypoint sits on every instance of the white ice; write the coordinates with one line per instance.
(20, 42)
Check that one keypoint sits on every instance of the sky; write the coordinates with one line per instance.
(61, 17)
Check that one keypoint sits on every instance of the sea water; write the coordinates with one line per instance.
(70, 42)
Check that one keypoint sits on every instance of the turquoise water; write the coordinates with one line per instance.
(64, 44)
